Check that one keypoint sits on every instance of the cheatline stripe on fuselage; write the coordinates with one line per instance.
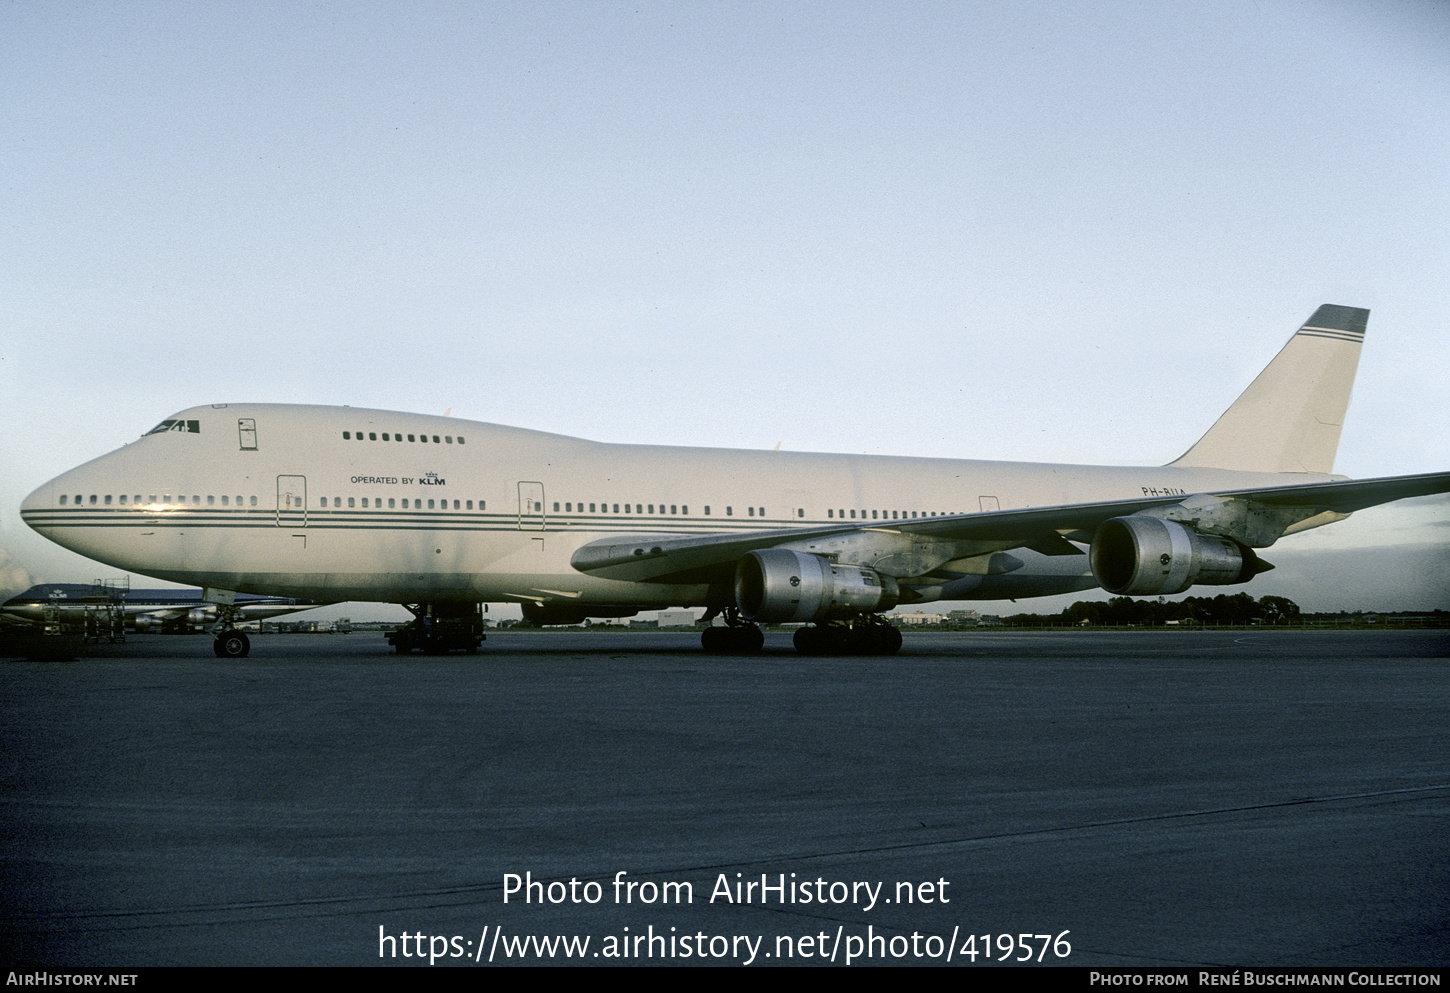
(385, 522)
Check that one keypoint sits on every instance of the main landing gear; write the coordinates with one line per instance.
(229, 642)
(737, 637)
(440, 627)
(868, 635)
(864, 635)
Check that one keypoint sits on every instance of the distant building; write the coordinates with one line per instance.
(677, 618)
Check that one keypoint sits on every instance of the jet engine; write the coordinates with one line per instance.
(776, 584)
(1146, 556)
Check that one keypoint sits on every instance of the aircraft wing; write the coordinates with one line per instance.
(711, 558)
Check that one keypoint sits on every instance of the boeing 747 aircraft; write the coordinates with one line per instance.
(442, 515)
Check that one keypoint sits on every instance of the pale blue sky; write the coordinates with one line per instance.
(1053, 232)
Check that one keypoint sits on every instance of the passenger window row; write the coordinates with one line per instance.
(569, 507)
(629, 508)
(394, 436)
(890, 514)
(166, 500)
(413, 503)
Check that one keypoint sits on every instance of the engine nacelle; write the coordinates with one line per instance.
(777, 585)
(1146, 556)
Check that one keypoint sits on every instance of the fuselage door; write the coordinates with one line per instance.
(247, 433)
(531, 506)
(291, 501)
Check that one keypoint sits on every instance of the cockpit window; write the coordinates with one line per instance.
(185, 427)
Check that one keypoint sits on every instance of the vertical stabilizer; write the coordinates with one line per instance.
(1289, 418)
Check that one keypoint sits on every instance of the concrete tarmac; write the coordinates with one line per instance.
(1187, 798)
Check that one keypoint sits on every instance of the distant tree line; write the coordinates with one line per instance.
(1240, 608)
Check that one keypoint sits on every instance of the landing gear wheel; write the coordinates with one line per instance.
(877, 639)
(752, 639)
(745, 639)
(232, 645)
(810, 640)
(825, 639)
(893, 641)
(842, 639)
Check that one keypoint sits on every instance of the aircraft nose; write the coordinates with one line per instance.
(35, 508)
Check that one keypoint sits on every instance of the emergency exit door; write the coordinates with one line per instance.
(531, 506)
(291, 501)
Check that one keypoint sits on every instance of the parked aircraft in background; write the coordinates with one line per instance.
(441, 515)
(68, 603)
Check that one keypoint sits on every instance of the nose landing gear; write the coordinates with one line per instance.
(229, 643)
(232, 645)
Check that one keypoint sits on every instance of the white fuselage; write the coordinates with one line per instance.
(312, 501)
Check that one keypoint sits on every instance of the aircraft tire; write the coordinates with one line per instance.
(810, 640)
(752, 639)
(893, 641)
(732, 640)
(877, 639)
(233, 645)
